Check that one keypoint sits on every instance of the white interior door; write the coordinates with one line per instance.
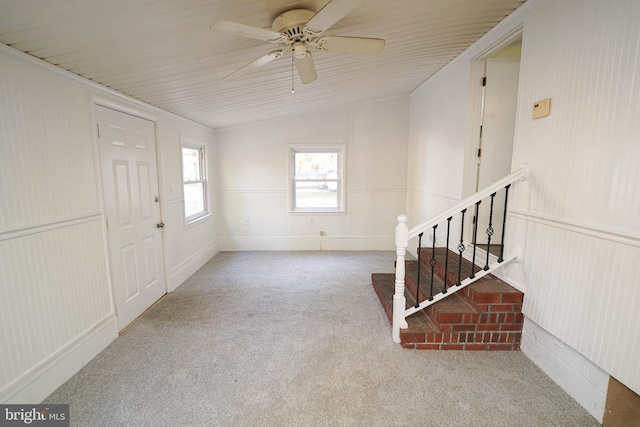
(130, 184)
(498, 125)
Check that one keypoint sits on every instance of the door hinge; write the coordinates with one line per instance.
(480, 131)
(484, 81)
(479, 152)
(98, 129)
(106, 221)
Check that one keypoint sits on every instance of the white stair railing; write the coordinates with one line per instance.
(404, 234)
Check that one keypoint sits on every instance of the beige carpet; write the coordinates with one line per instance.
(299, 339)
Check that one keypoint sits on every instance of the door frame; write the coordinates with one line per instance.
(474, 118)
(102, 101)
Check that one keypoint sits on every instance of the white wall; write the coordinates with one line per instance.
(56, 308)
(575, 219)
(580, 208)
(253, 179)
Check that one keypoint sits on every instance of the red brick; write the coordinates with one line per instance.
(463, 327)
(408, 337)
(515, 327)
(501, 307)
(516, 297)
(427, 346)
(488, 327)
(481, 308)
(471, 318)
(452, 347)
(434, 337)
(409, 346)
(488, 298)
(448, 317)
(476, 347)
(498, 347)
(486, 337)
(489, 318)
(519, 318)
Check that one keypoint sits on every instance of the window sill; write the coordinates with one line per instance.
(191, 222)
(317, 212)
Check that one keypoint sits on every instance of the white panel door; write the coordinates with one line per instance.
(130, 184)
(498, 125)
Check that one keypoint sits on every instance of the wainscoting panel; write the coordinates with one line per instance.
(581, 205)
(53, 287)
(46, 154)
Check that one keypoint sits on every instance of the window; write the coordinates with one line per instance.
(195, 188)
(317, 184)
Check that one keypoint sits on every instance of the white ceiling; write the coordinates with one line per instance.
(162, 51)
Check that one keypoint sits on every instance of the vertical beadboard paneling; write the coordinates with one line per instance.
(53, 288)
(53, 275)
(46, 156)
(580, 265)
(585, 56)
(253, 173)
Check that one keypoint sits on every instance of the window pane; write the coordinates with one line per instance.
(315, 165)
(193, 198)
(191, 164)
(316, 194)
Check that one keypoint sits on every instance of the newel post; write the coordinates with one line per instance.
(399, 301)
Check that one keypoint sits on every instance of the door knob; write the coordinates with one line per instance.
(160, 225)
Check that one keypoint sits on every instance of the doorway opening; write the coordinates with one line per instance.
(497, 93)
(128, 165)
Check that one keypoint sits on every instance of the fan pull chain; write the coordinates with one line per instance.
(293, 90)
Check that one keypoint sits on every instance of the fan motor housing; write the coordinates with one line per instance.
(292, 23)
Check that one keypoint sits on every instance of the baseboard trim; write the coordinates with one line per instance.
(43, 379)
(186, 268)
(585, 382)
(308, 243)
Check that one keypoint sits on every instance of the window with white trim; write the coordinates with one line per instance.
(195, 183)
(317, 183)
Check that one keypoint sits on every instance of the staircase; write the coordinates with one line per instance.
(485, 315)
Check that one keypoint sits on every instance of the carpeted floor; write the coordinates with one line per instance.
(299, 339)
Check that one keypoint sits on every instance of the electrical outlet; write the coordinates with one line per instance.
(246, 221)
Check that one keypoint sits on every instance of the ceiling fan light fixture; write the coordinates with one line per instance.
(299, 51)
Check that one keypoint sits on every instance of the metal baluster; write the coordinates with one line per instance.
(446, 257)
(489, 232)
(419, 265)
(433, 261)
(461, 246)
(504, 222)
(475, 240)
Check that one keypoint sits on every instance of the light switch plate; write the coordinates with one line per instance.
(542, 108)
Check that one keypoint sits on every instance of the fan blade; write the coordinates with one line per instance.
(331, 13)
(340, 44)
(265, 59)
(242, 30)
(306, 68)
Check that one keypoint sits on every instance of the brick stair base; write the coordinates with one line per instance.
(485, 315)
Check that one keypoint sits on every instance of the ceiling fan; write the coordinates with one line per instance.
(299, 31)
